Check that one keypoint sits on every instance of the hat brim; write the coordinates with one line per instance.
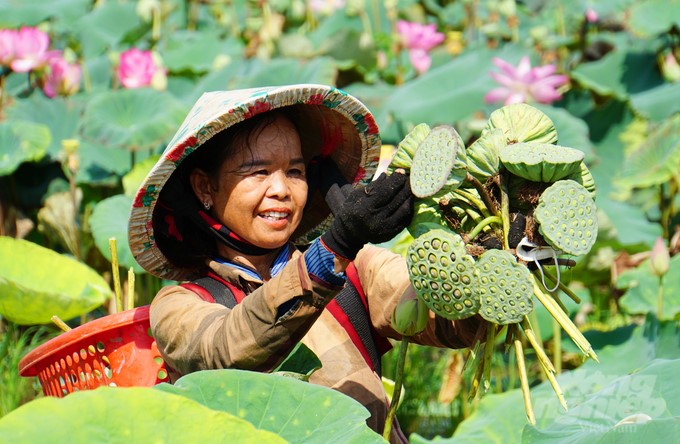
(323, 110)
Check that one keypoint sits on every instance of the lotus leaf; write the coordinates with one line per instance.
(522, 123)
(21, 141)
(541, 162)
(132, 414)
(37, 283)
(297, 411)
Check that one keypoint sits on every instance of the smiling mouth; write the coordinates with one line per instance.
(274, 215)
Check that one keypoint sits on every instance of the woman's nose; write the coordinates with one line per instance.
(278, 185)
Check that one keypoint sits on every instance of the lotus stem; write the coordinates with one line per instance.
(564, 321)
(488, 202)
(557, 346)
(483, 224)
(505, 210)
(562, 287)
(555, 385)
(659, 299)
(59, 323)
(488, 354)
(472, 200)
(116, 274)
(398, 380)
(130, 290)
(555, 298)
(524, 380)
(536, 344)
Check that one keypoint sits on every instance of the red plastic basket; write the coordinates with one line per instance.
(115, 350)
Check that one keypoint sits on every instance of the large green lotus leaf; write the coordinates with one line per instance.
(608, 123)
(642, 289)
(641, 407)
(657, 103)
(296, 410)
(124, 415)
(649, 18)
(37, 283)
(101, 165)
(105, 26)
(196, 52)
(483, 154)
(522, 123)
(657, 160)
(604, 75)
(60, 116)
(129, 118)
(21, 141)
(13, 12)
(110, 219)
(499, 417)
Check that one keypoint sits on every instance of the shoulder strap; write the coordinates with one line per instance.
(213, 288)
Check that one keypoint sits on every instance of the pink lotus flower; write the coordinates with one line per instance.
(419, 40)
(524, 83)
(136, 68)
(62, 78)
(30, 49)
(591, 15)
(7, 44)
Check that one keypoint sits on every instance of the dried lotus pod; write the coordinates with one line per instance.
(434, 160)
(567, 217)
(522, 123)
(443, 274)
(505, 288)
(482, 155)
(541, 162)
(403, 157)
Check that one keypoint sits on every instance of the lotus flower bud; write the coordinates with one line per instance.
(660, 259)
(410, 315)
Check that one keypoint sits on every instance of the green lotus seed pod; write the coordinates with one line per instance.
(541, 162)
(443, 274)
(567, 217)
(483, 154)
(585, 178)
(505, 288)
(434, 160)
(522, 123)
(403, 157)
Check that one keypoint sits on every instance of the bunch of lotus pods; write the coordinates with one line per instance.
(490, 220)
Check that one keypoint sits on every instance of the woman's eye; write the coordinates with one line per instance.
(260, 172)
(296, 172)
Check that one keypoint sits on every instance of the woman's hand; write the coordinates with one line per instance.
(375, 213)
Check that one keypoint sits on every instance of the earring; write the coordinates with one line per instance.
(207, 205)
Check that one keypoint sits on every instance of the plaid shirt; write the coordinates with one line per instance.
(196, 335)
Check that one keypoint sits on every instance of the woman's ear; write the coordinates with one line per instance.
(202, 186)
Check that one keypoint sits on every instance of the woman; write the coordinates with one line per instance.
(246, 179)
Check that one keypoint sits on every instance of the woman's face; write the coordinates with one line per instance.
(261, 190)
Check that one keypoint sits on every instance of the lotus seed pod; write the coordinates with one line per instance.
(585, 178)
(433, 160)
(403, 157)
(522, 123)
(541, 162)
(443, 274)
(505, 288)
(483, 154)
(567, 217)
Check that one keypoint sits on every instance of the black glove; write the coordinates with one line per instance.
(374, 213)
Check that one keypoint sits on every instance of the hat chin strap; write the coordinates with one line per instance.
(228, 237)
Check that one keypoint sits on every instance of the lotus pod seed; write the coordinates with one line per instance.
(561, 218)
(447, 279)
(433, 160)
(504, 304)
